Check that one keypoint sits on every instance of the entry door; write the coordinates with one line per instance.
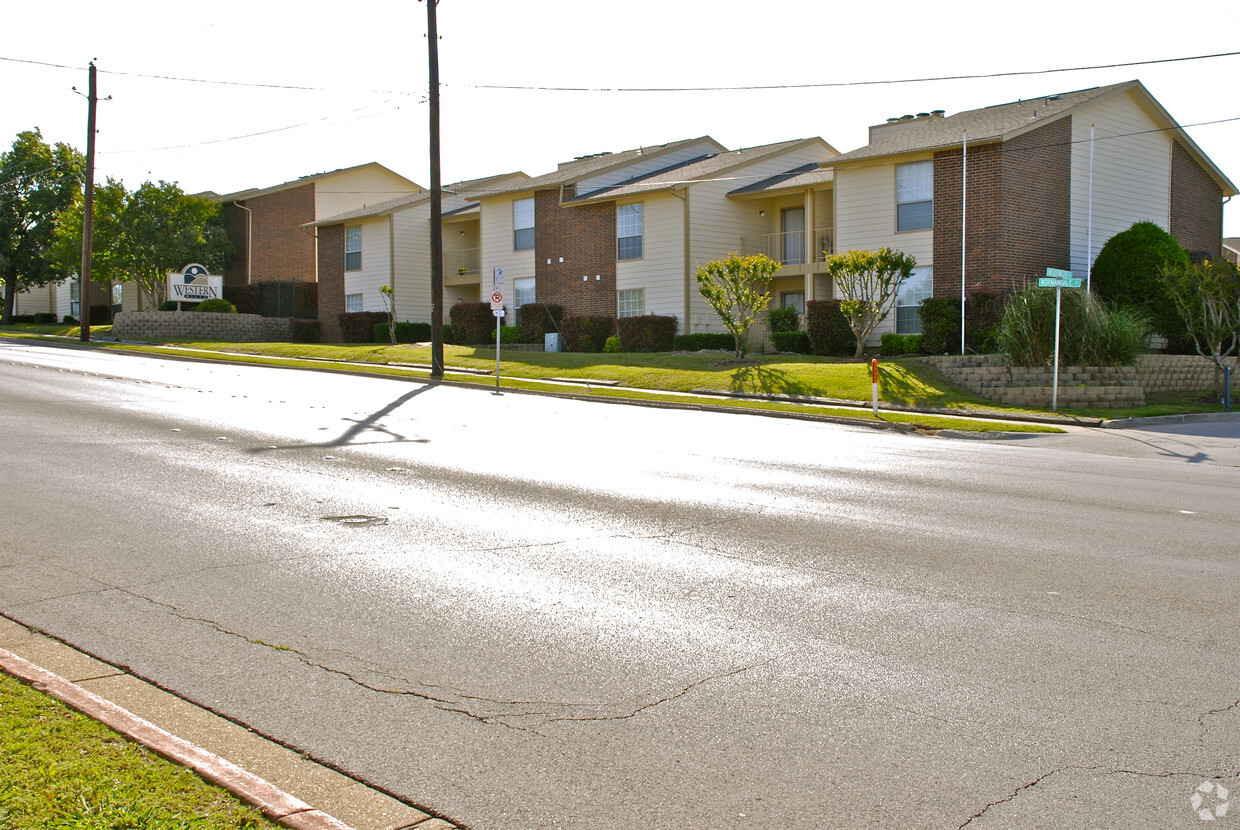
(792, 227)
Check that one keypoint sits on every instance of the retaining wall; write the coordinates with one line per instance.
(1080, 387)
(234, 328)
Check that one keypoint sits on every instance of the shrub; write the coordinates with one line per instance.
(22, 318)
(647, 333)
(828, 329)
(168, 305)
(508, 335)
(714, 341)
(70, 320)
(1126, 273)
(1091, 332)
(612, 346)
(795, 341)
(405, 332)
(586, 334)
(216, 305)
(898, 344)
(359, 326)
(447, 334)
(539, 320)
(940, 324)
(246, 298)
(44, 318)
(305, 331)
(783, 318)
(472, 323)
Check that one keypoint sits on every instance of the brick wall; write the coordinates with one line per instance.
(279, 249)
(331, 282)
(1018, 217)
(585, 236)
(237, 272)
(1196, 205)
(229, 328)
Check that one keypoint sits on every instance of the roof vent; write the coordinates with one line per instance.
(938, 113)
(893, 119)
(906, 118)
(923, 115)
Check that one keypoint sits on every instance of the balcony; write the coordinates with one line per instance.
(460, 266)
(789, 248)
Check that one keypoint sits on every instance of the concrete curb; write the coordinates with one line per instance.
(276, 804)
(1160, 420)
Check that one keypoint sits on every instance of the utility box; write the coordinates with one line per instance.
(551, 342)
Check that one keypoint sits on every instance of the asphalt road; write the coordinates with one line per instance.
(526, 612)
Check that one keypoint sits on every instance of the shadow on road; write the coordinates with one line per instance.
(371, 423)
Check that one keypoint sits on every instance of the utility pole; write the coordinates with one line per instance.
(432, 44)
(88, 210)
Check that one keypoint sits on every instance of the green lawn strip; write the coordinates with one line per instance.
(60, 769)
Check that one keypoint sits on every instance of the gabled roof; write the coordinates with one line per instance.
(715, 167)
(463, 188)
(1004, 122)
(253, 192)
(798, 178)
(584, 167)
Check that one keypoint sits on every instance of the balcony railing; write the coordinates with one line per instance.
(789, 248)
(461, 263)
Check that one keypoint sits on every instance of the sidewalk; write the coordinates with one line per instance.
(289, 788)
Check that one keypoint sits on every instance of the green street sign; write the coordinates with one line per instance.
(1054, 282)
(1059, 274)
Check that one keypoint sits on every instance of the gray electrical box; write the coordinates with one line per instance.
(551, 342)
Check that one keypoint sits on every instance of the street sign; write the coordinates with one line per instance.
(499, 280)
(1056, 282)
(497, 300)
(1058, 273)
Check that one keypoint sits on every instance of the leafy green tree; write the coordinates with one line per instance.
(1207, 299)
(140, 236)
(869, 282)
(1127, 273)
(737, 289)
(37, 182)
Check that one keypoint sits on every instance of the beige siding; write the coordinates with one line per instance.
(411, 230)
(1131, 174)
(865, 214)
(660, 271)
(495, 231)
(38, 300)
(376, 264)
(354, 189)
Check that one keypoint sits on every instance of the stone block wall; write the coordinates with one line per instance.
(1080, 387)
(232, 328)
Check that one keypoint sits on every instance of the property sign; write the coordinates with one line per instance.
(193, 285)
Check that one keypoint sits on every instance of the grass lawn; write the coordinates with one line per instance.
(60, 769)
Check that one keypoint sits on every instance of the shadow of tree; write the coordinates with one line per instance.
(764, 380)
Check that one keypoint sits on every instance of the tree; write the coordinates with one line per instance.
(736, 288)
(869, 282)
(389, 303)
(141, 236)
(37, 182)
(1207, 299)
(1127, 270)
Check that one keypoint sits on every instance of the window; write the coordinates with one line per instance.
(915, 196)
(523, 225)
(353, 248)
(522, 294)
(792, 232)
(629, 231)
(631, 302)
(796, 299)
(919, 286)
(352, 302)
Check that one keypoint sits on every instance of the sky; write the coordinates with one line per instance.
(229, 95)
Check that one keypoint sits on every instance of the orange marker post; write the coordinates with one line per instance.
(874, 383)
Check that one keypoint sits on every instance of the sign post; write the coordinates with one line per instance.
(1059, 280)
(874, 384)
(497, 308)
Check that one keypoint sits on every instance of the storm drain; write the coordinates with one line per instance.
(356, 521)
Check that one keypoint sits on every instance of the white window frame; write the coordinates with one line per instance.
(630, 302)
(353, 248)
(523, 224)
(915, 189)
(630, 226)
(913, 291)
(353, 303)
(524, 291)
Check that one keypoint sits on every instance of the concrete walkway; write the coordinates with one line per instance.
(290, 789)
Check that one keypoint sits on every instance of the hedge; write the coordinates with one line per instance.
(246, 298)
(472, 323)
(898, 344)
(828, 330)
(709, 340)
(796, 342)
(586, 334)
(539, 320)
(647, 333)
(405, 332)
(305, 331)
(940, 324)
(359, 326)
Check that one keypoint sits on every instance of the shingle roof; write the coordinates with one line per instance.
(807, 175)
(694, 170)
(462, 188)
(252, 192)
(586, 166)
